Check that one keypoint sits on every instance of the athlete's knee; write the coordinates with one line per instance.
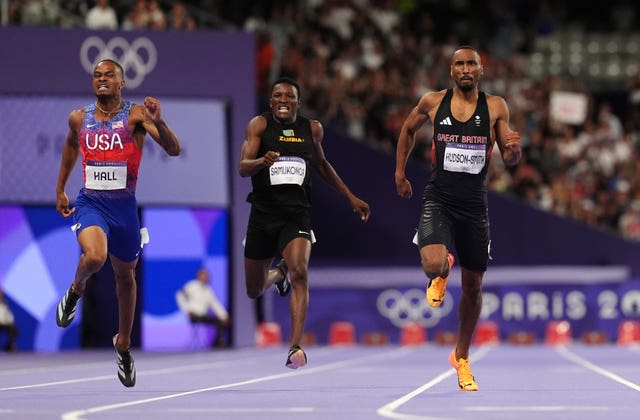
(299, 275)
(125, 283)
(94, 259)
(254, 293)
(435, 268)
(472, 287)
(255, 290)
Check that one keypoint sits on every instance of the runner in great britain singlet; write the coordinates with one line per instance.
(454, 202)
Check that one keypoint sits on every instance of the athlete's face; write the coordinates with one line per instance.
(466, 69)
(107, 79)
(284, 102)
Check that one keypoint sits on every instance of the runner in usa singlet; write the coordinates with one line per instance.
(110, 156)
(110, 162)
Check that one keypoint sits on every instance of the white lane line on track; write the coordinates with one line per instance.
(388, 410)
(78, 414)
(48, 369)
(55, 383)
(162, 371)
(186, 368)
(564, 352)
(257, 410)
(538, 408)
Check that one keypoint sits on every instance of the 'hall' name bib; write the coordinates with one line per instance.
(105, 175)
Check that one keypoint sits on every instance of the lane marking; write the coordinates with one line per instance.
(55, 383)
(77, 414)
(564, 352)
(388, 410)
(41, 369)
(192, 367)
(112, 376)
(243, 410)
(535, 408)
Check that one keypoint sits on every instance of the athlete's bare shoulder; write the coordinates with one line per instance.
(258, 119)
(495, 100)
(258, 123)
(75, 119)
(430, 100)
(497, 106)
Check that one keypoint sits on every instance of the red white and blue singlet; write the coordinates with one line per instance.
(110, 163)
(110, 156)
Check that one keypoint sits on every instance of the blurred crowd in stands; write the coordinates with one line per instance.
(363, 64)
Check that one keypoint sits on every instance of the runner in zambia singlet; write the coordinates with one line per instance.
(288, 181)
(460, 152)
(110, 156)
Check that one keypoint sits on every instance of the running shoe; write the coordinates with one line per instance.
(466, 380)
(437, 288)
(296, 358)
(283, 287)
(67, 308)
(126, 367)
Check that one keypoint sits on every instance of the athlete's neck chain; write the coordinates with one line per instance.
(112, 112)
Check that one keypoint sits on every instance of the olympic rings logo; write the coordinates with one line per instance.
(138, 59)
(411, 306)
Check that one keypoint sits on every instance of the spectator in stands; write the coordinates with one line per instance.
(138, 18)
(41, 13)
(180, 19)
(157, 17)
(14, 13)
(102, 16)
(265, 53)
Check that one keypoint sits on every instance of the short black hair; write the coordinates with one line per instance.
(466, 47)
(287, 80)
(110, 60)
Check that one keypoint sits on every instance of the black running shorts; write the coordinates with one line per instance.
(269, 232)
(467, 233)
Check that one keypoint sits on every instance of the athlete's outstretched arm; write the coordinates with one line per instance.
(508, 140)
(70, 152)
(406, 141)
(329, 174)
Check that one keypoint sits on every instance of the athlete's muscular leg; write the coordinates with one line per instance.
(126, 292)
(434, 261)
(469, 310)
(259, 277)
(297, 254)
(93, 242)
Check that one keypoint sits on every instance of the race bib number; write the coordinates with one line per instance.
(288, 170)
(468, 158)
(106, 175)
